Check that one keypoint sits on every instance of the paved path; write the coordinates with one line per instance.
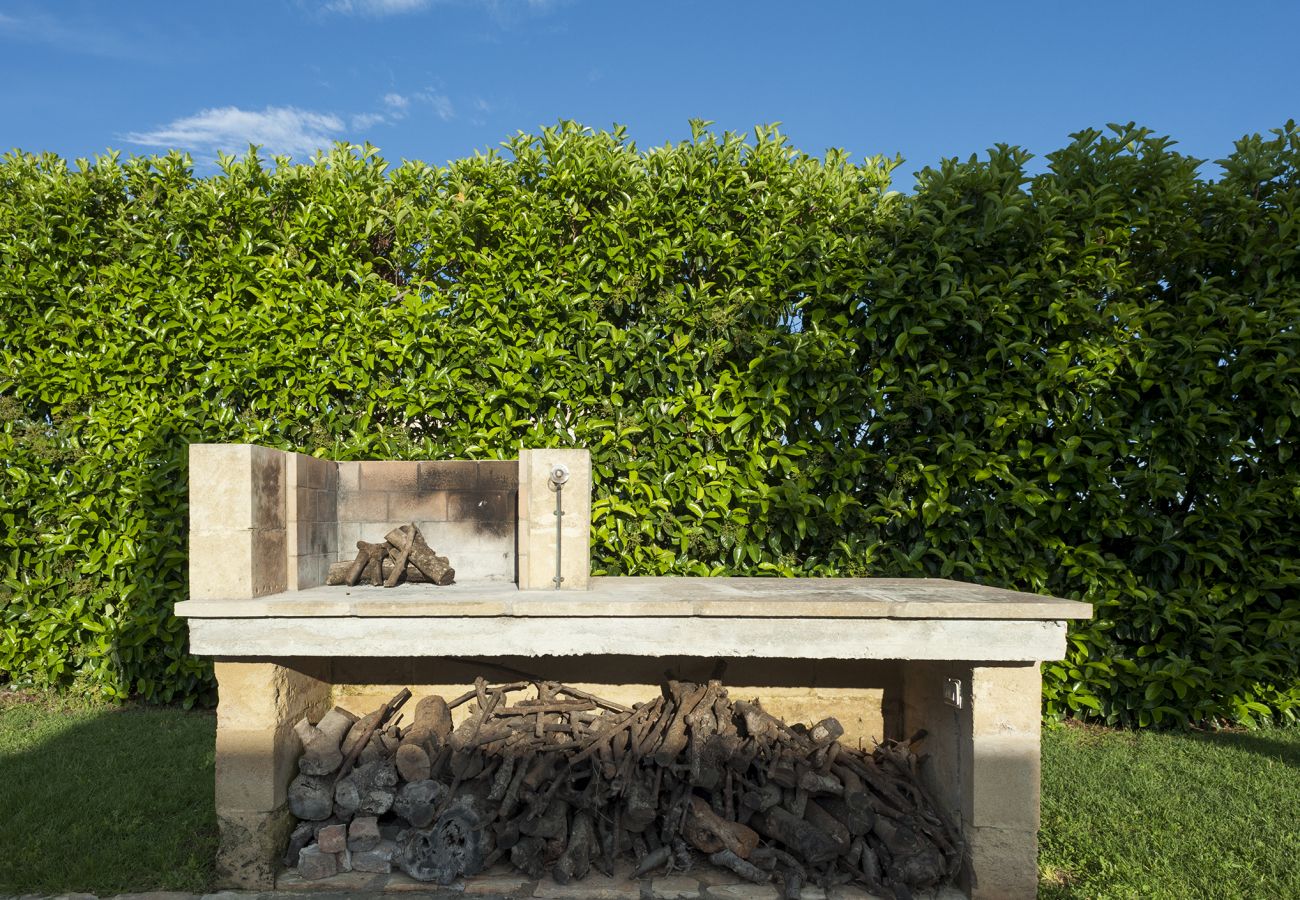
(707, 886)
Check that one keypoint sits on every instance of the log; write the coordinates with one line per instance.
(417, 802)
(368, 790)
(413, 762)
(674, 741)
(452, 848)
(709, 832)
(431, 724)
(321, 753)
(403, 554)
(362, 731)
(436, 568)
(801, 837)
(311, 797)
(575, 862)
(368, 564)
(653, 860)
(742, 867)
(338, 573)
(823, 821)
(563, 782)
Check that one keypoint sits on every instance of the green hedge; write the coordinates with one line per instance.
(1080, 382)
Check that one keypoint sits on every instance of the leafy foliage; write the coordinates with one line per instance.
(1080, 382)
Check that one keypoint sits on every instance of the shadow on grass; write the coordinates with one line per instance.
(1260, 743)
(105, 800)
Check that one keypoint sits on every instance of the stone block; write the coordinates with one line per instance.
(1006, 700)
(309, 571)
(315, 538)
(415, 507)
(498, 475)
(254, 768)
(674, 887)
(377, 859)
(481, 506)
(315, 863)
(349, 533)
(498, 884)
(270, 562)
(852, 892)
(324, 506)
(263, 696)
(1006, 782)
(337, 887)
(475, 549)
(744, 891)
(363, 833)
(1004, 864)
(268, 477)
(448, 475)
(362, 506)
(221, 496)
(333, 838)
(389, 475)
(594, 887)
(349, 477)
(314, 472)
(221, 565)
(250, 847)
(401, 883)
(536, 529)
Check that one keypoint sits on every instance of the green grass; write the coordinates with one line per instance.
(104, 800)
(1178, 815)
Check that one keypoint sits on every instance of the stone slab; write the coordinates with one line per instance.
(447, 635)
(780, 598)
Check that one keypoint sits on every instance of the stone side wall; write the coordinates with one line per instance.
(465, 509)
(238, 542)
(311, 497)
(257, 757)
(985, 765)
(537, 533)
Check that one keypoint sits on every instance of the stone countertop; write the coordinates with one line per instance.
(659, 597)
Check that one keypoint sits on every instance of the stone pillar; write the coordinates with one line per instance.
(984, 764)
(238, 506)
(257, 753)
(537, 532)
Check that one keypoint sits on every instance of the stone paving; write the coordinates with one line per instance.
(512, 886)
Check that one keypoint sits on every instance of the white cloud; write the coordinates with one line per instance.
(277, 129)
(396, 101)
(362, 121)
(441, 104)
(375, 7)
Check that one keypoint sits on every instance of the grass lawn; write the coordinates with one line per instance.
(107, 800)
(1185, 815)
(104, 800)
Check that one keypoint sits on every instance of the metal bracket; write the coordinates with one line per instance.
(952, 692)
(559, 475)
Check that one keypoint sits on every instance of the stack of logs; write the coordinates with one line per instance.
(404, 555)
(564, 781)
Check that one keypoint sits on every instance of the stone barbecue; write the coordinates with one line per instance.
(885, 658)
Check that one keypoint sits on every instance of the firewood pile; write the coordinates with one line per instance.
(404, 555)
(562, 781)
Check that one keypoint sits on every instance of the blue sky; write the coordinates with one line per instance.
(439, 79)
